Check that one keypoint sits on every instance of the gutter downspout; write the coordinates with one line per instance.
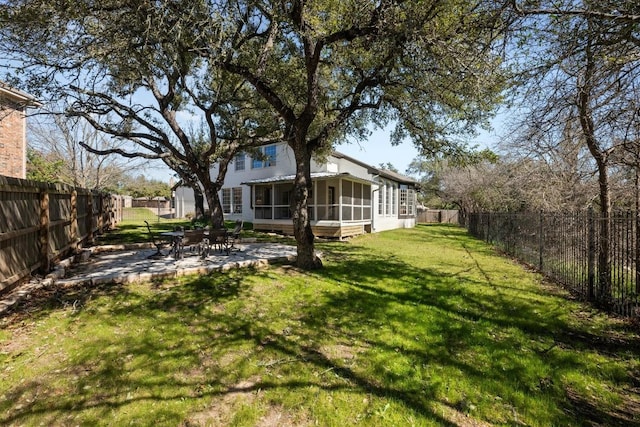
(373, 207)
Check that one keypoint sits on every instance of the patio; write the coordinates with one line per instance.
(135, 264)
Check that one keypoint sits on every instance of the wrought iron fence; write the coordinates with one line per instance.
(572, 248)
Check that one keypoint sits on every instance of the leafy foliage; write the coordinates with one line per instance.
(43, 169)
(141, 186)
(306, 73)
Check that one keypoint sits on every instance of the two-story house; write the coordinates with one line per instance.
(13, 129)
(348, 197)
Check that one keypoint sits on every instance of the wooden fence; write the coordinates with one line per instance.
(41, 223)
(446, 216)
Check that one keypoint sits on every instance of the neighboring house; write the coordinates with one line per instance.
(13, 131)
(348, 197)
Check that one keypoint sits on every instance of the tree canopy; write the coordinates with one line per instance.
(308, 73)
(432, 68)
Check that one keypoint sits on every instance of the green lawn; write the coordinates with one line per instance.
(423, 326)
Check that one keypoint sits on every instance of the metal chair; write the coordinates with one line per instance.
(192, 240)
(219, 238)
(234, 236)
(157, 242)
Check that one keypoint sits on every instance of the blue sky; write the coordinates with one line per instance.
(379, 150)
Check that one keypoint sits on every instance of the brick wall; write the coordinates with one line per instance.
(12, 139)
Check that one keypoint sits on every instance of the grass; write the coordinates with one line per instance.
(410, 327)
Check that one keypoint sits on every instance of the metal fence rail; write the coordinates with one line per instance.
(568, 248)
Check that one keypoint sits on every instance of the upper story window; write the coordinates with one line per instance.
(239, 162)
(269, 158)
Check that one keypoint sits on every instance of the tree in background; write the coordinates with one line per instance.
(144, 75)
(583, 66)
(141, 186)
(60, 139)
(41, 167)
(444, 181)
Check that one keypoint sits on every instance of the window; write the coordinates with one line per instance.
(411, 202)
(282, 194)
(232, 200)
(268, 158)
(404, 192)
(262, 202)
(239, 162)
(237, 200)
(263, 195)
(394, 200)
(226, 200)
(381, 192)
(407, 201)
(332, 212)
(387, 210)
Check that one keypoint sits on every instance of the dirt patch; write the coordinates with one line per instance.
(339, 351)
(627, 414)
(459, 418)
(41, 300)
(278, 416)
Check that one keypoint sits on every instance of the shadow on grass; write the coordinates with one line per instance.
(193, 342)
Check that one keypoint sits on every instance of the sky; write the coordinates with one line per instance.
(378, 150)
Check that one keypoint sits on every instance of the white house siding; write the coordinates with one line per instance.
(345, 170)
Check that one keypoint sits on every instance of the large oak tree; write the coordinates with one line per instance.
(133, 62)
(309, 73)
(331, 69)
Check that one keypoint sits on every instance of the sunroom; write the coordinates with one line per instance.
(339, 206)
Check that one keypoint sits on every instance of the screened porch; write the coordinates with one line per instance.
(339, 205)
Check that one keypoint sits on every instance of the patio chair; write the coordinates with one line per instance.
(234, 236)
(219, 239)
(157, 242)
(193, 240)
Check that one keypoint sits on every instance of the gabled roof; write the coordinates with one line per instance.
(403, 179)
(16, 95)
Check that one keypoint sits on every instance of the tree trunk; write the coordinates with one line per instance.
(199, 201)
(602, 159)
(637, 225)
(604, 255)
(307, 258)
(215, 207)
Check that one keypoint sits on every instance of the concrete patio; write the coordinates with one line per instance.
(120, 264)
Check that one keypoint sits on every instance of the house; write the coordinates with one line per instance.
(348, 196)
(13, 130)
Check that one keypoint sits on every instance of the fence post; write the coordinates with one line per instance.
(540, 240)
(44, 234)
(89, 219)
(591, 256)
(74, 220)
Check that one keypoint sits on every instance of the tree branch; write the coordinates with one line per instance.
(625, 17)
